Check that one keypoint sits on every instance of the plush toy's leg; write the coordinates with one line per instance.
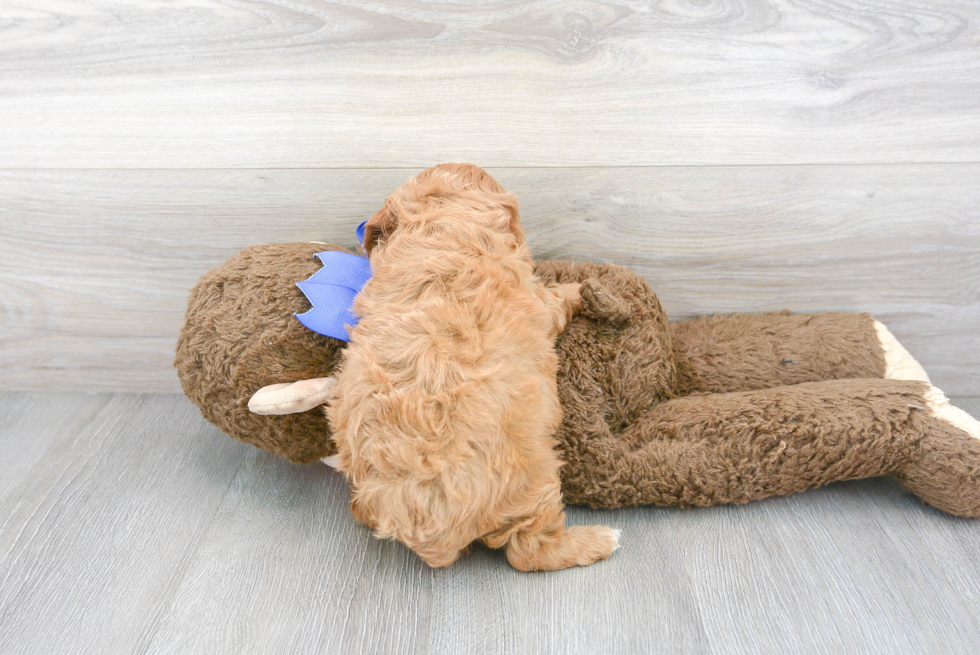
(743, 352)
(743, 446)
(945, 468)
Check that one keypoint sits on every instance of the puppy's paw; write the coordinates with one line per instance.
(594, 542)
(600, 303)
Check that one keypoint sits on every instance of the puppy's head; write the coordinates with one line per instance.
(463, 192)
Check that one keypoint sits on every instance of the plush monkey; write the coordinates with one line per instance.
(721, 409)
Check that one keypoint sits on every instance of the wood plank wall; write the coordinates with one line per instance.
(743, 155)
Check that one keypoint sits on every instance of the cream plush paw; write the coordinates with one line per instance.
(899, 364)
(941, 408)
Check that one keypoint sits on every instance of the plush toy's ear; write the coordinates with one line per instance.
(380, 226)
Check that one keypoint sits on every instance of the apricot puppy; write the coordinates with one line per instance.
(446, 401)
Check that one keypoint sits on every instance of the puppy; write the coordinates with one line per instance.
(446, 400)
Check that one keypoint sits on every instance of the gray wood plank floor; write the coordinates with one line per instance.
(128, 524)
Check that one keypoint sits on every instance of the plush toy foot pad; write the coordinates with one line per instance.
(899, 363)
(942, 409)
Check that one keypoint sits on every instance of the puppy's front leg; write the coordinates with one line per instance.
(563, 301)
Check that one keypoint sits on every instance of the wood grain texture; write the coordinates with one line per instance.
(836, 569)
(284, 568)
(95, 535)
(638, 601)
(304, 83)
(31, 426)
(144, 530)
(953, 544)
(95, 266)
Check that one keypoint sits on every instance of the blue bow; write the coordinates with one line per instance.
(331, 291)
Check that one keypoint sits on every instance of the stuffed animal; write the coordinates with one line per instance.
(721, 409)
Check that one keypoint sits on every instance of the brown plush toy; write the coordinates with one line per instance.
(725, 409)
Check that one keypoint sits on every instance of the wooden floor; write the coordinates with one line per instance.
(128, 525)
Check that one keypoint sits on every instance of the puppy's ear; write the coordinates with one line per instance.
(485, 182)
(380, 227)
(509, 203)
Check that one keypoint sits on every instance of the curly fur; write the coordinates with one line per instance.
(446, 398)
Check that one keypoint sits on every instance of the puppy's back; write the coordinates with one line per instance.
(445, 402)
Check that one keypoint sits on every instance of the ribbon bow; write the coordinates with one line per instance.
(331, 291)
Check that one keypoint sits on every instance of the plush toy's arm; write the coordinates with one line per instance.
(601, 304)
(291, 398)
(743, 352)
(589, 298)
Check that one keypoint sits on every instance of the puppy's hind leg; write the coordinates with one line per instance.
(543, 543)
(563, 302)
(577, 546)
